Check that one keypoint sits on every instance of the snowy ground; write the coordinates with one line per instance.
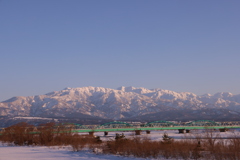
(45, 153)
(157, 135)
(56, 153)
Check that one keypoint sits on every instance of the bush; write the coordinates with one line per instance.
(18, 134)
(48, 134)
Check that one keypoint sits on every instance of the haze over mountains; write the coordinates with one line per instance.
(124, 103)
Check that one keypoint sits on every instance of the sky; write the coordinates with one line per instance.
(178, 45)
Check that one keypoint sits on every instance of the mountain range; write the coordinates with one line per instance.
(124, 103)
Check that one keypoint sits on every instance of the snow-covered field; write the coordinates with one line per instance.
(65, 153)
(157, 135)
(53, 153)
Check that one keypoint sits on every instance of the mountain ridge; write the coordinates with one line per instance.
(123, 102)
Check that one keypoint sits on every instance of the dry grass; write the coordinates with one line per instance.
(146, 148)
(207, 146)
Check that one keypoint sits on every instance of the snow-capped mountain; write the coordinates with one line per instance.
(124, 102)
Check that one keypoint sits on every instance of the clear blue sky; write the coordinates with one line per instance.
(179, 45)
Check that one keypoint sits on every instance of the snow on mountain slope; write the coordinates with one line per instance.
(123, 102)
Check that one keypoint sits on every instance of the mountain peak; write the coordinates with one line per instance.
(126, 89)
(67, 88)
(223, 95)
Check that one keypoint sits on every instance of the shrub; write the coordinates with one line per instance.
(18, 134)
